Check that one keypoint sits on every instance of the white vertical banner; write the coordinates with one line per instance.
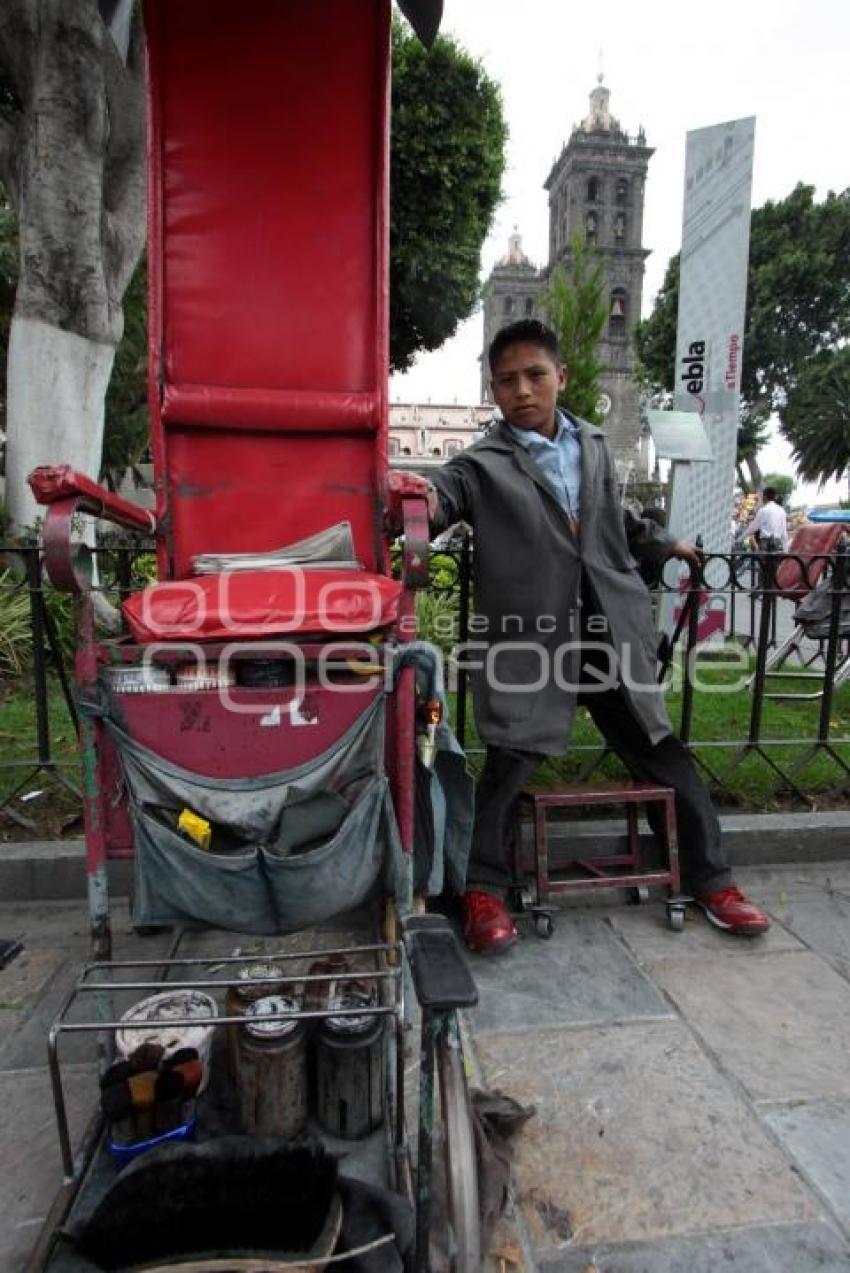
(710, 333)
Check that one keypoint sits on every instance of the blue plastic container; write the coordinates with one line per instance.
(829, 515)
(123, 1154)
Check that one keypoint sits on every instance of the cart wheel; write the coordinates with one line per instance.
(676, 917)
(639, 895)
(461, 1166)
(543, 924)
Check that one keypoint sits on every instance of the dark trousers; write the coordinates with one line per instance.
(667, 763)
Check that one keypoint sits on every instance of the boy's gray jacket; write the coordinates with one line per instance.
(527, 566)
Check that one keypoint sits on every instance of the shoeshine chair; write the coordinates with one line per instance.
(268, 259)
(249, 739)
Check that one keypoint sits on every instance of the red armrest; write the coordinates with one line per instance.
(51, 483)
(407, 511)
(398, 488)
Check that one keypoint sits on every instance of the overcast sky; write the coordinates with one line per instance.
(671, 67)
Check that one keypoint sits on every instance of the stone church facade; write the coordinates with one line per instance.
(596, 186)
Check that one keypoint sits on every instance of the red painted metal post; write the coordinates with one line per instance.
(541, 852)
(90, 730)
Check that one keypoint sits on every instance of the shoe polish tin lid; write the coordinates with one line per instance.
(257, 1013)
(354, 1026)
(259, 981)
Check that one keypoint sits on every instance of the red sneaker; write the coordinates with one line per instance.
(487, 926)
(727, 908)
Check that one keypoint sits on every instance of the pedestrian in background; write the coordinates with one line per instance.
(770, 522)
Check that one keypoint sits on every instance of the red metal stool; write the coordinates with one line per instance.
(616, 870)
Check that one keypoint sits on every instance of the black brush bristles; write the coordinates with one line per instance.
(146, 1056)
(118, 1111)
(178, 1057)
(118, 1072)
(234, 1195)
(116, 1103)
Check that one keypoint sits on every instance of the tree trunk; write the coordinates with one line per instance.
(756, 475)
(56, 386)
(743, 481)
(76, 175)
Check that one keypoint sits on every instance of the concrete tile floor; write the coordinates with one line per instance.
(779, 1024)
(583, 976)
(31, 1175)
(637, 1137)
(693, 1106)
(797, 1248)
(653, 1150)
(817, 1134)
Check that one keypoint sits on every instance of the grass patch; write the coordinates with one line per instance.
(720, 727)
(50, 810)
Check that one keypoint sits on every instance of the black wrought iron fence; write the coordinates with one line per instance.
(748, 599)
(37, 641)
(742, 606)
(30, 649)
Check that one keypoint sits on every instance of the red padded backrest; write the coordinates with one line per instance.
(809, 543)
(268, 267)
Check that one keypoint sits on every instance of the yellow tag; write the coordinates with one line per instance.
(196, 827)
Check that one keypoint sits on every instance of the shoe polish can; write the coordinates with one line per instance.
(271, 1069)
(239, 998)
(350, 1070)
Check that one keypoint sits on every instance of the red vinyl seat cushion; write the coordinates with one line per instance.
(260, 603)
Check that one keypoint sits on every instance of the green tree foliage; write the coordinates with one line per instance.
(447, 158)
(127, 429)
(798, 304)
(575, 305)
(816, 417)
(655, 337)
(782, 483)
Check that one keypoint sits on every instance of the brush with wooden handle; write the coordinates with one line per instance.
(143, 1097)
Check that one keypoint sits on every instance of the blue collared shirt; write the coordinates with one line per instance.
(559, 460)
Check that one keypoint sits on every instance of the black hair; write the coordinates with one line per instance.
(769, 492)
(527, 331)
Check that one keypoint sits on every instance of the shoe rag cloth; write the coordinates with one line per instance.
(496, 1119)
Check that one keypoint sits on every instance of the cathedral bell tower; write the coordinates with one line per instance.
(596, 187)
(511, 292)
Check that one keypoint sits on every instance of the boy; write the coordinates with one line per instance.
(562, 619)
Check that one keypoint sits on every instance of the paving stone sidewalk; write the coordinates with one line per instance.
(692, 1090)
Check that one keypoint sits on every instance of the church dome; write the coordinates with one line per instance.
(514, 257)
(600, 119)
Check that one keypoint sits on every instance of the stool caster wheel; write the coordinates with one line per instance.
(676, 916)
(638, 896)
(543, 924)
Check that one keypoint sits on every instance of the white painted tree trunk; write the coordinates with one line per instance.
(72, 159)
(55, 407)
